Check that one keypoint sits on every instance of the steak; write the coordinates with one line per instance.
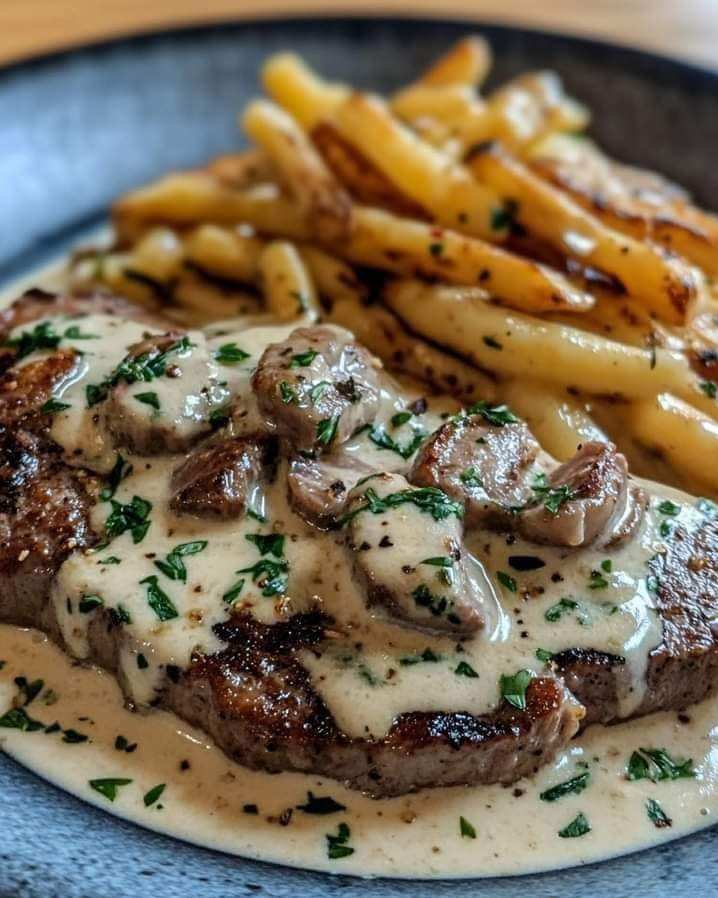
(254, 697)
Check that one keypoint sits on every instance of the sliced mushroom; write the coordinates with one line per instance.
(408, 554)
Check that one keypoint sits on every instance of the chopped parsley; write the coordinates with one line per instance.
(570, 787)
(72, 737)
(597, 581)
(382, 440)
(270, 575)
(120, 470)
(503, 218)
(318, 390)
(579, 826)
(132, 517)
(154, 793)
(123, 744)
(219, 417)
(429, 499)
(506, 580)
(108, 786)
(544, 655)
(709, 387)
(150, 398)
(669, 508)
(233, 592)
(303, 359)
(469, 477)
(464, 669)
(466, 829)
(656, 764)
(53, 405)
(327, 429)
(19, 719)
(268, 544)
(144, 368)
(401, 418)
(42, 336)
(438, 561)
(498, 415)
(73, 332)
(287, 392)
(230, 354)
(321, 805)
(158, 600)
(142, 662)
(657, 815)
(337, 846)
(120, 615)
(513, 688)
(552, 497)
(29, 689)
(173, 566)
(556, 612)
(89, 603)
(426, 655)
(425, 598)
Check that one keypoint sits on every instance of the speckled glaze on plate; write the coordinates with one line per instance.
(77, 129)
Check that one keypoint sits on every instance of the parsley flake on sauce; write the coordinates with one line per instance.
(133, 517)
(464, 669)
(571, 787)
(579, 826)
(429, 499)
(303, 359)
(52, 406)
(108, 786)
(657, 815)
(337, 846)
(173, 566)
(382, 440)
(466, 829)
(268, 544)
(230, 354)
(154, 793)
(656, 764)
(506, 580)
(150, 398)
(158, 600)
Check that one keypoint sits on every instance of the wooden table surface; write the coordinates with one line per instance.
(683, 28)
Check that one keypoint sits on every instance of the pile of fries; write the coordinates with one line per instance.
(480, 243)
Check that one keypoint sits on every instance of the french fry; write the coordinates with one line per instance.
(288, 288)
(193, 198)
(363, 179)
(318, 193)
(292, 84)
(445, 189)
(467, 62)
(685, 436)
(631, 200)
(224, 252)
(408, 247)
(517, 345)
(241, 170)
(384, 335)
(665, 285)
(334, 279)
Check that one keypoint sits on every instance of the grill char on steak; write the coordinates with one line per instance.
(255, 698)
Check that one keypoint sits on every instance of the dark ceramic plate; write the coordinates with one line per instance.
(77, 129)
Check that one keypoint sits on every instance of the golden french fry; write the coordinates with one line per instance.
(291, 83)
(195, 197)
(241, 170)
(634, 201)
(685, 436)
(320, 197)
(558, 422)
(224, 252)
(513, 344)
(363, 179)
(467, 62)
(288, 287)
(664, 285)
(409, 247)
(334, 279)
(384, 335)
(445, 189)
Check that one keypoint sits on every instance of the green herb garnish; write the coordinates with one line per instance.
(173, 566)
(158, 600)
(570, 787)
(579, 826)
(513, 688)
(230, 354)
(108, 786)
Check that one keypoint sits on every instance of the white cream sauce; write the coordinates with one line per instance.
(372, 671)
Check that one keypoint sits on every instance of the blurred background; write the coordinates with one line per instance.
(682, 28)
